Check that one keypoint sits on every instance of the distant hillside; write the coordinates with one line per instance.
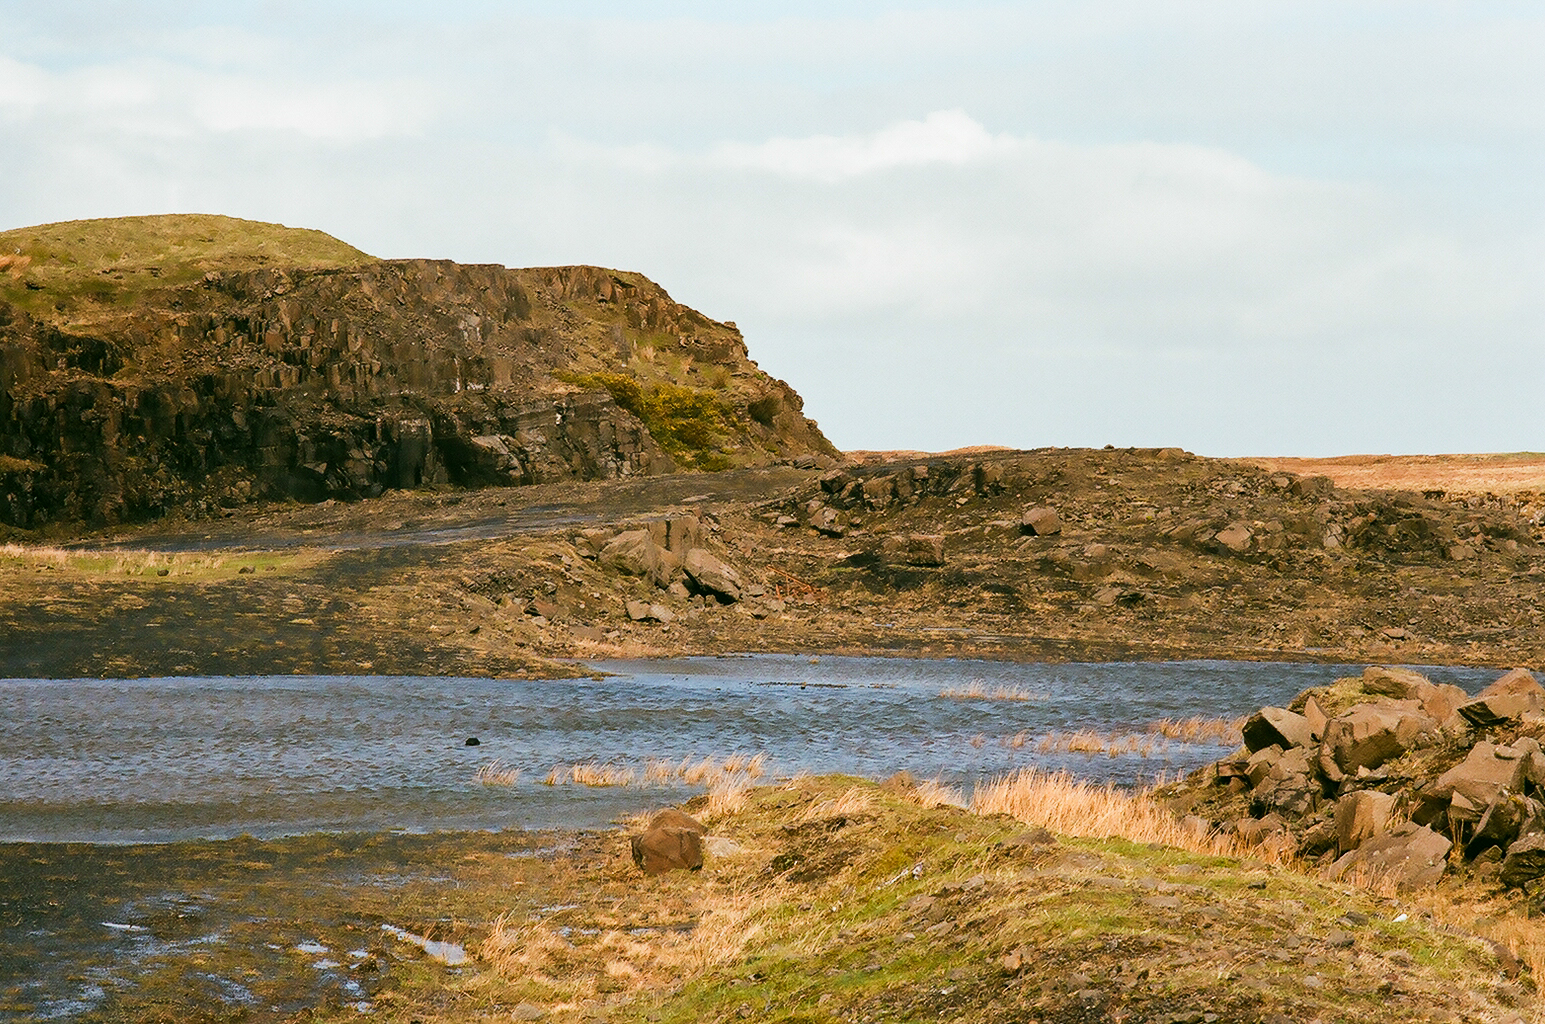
(194, 361)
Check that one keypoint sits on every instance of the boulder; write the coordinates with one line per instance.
(1316, 717)
(1360, 816)
(1367, 735)
(1288, 787)
(1471, 785)
(1040, 521)
(1438, 701)
(828, 521)
(879, 491)
(1525, 861)
(673, 840)
(1277, 726)
(1504, 700)
(635, 553)
(1236, 537)
(667, 848)
(1409, 855)
(710, 575)
(677, 534)
(643, 611)
(1259, 764)
(914, 548)
(673, 818)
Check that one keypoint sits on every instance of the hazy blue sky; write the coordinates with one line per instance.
(1243, 228)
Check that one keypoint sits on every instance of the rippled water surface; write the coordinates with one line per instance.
(161, 759)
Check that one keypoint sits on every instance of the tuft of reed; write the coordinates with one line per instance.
(1091, 741)
(601, 775)
(934, 793)
(977, 690)
(852, 802)
(1225, 732)
(497, 773)
(727, 796)
(1061, 803)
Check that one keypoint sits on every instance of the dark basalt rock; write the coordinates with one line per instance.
(344, 383)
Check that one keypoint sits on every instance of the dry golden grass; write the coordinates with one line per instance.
(497, 773)
(1061, 803)
(934, 793)
(980, 691)
(1222, 731)
(851, 802)
(180, 566)
(727, 796)
(532, 952)
(737, 769)
(1090, 741)
(602, 775)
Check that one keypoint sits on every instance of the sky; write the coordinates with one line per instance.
(1264, 228)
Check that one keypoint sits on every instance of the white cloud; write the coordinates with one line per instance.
(943, 137)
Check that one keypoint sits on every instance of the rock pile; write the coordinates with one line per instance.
(1390, 774)
(671, 554)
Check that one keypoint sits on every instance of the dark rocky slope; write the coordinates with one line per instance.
(193, 362)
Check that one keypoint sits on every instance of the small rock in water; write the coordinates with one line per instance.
(473, 741)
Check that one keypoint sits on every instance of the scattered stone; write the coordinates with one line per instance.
(921, 549)
(527, 1011)
(1040, 522)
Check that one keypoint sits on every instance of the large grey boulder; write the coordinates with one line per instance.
(1525, 861)
(1360, 816)
(635, 553)
(1409, 855)
(914, 548)
(1040, 521)
(1277, 726)
(1438, 700)
(1505, 700)
(1367, 735)
(711, 575)
(1473, 784)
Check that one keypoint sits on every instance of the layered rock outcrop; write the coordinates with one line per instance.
(122, 397)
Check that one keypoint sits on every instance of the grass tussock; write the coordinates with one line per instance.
(1092, 741)
(850, 803)
(933, 793)
(981, 691)
(498, 773)
(712, 772)
(1224, 732)
(1074, 807)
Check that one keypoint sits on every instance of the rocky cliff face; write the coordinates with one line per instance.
(122, 397)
